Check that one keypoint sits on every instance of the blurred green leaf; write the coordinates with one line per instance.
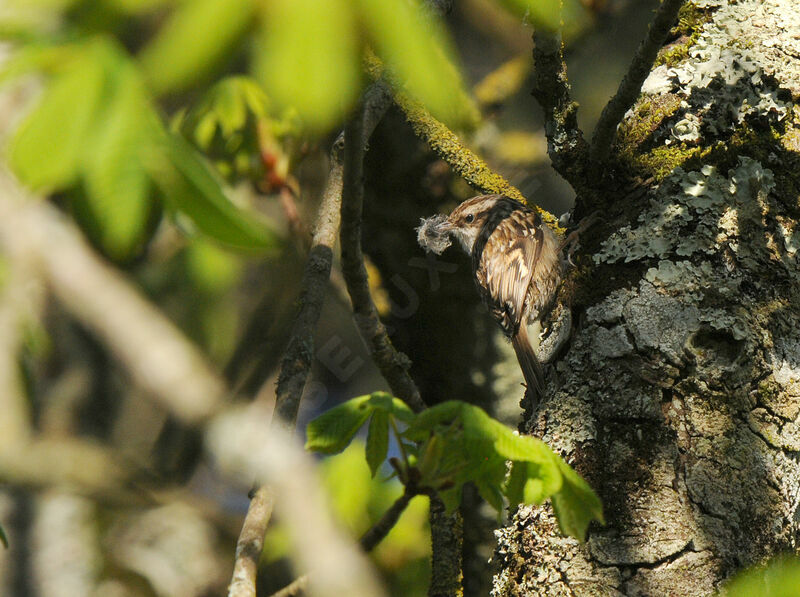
(190, 187)
(415, 48)
(575, 504)
(309, 58)
(212, 268)
(569, 15)
(779, 578)
(47, 148)
(193, 41)
(117, 197)
(333, 430)
(3, 538)
(377, 440)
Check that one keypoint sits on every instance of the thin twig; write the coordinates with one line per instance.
(631, 83)
(250, 544)
(299, 354)
(296, 363)
(296, 587)
(565, 143)
(377, 532)
(393, 365)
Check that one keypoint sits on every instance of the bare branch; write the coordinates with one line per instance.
(565, 143)
(631, 83)
(296, 587)
(392, 364)
(377, 532)
(157, 355)
(250, 544)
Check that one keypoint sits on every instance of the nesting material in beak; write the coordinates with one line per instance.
(433, 234)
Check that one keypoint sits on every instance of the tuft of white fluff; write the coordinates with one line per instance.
(433, 235)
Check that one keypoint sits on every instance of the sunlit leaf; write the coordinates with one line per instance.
(330, 432)
(309, 58)
(193, 41)
(532, 483)
(377, 440)
(575, 505)
(415, 48)
(46, 149)
(189, 186)
(390, 405)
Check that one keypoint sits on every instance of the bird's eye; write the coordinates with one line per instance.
(469, 218)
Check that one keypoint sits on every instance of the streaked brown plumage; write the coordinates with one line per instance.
(515, 260)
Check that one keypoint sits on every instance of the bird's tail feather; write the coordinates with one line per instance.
(531, 368)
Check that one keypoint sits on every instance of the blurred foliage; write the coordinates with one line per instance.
(358, 500)
(454, 443)
(779, 578)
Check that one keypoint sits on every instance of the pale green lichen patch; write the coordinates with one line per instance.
(694, 213)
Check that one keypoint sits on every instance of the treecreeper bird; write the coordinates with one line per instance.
(516, 263)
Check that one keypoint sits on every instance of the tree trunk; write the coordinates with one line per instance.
(679, 393)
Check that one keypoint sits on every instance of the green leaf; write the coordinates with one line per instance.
(415, 48)
(190, 187)
(193, 41)
(117, 198)
(377, 440)
(3, 537)
(569, 15)
(575, 505)
(390, 405)
(310, 58)
(333, 430)
(47, 148)
(532, 483)
(492, 494)
(780, 578)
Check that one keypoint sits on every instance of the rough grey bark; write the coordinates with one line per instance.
(678, 397)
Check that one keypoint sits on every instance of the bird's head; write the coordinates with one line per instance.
(464, 224)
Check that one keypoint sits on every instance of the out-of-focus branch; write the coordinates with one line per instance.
(250, 543)
(566, 146)
(244, 443)
(18, 291)
(159, 358)
(631, 83)
(392, 364)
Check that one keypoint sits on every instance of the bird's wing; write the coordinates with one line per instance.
(505, 267)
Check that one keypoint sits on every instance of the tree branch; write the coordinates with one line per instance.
(565, 143)
(631, 83)
(157, 355)
(250, 543)
(377, 532)
(392, 364)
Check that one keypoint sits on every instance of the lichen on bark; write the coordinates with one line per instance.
(678, 397)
